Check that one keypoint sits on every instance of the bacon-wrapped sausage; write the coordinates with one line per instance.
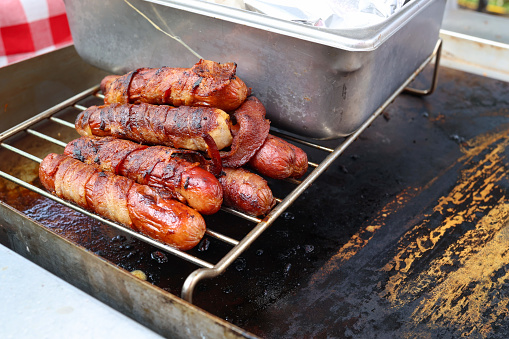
(269, 155)
(198, 128)
(279, 159)
(180, 171)
(156, 166)
(122, 200)
(207, 83)
(246, 191)
(181, 127)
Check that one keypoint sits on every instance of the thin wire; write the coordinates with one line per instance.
(161, 30)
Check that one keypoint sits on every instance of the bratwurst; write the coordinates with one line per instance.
(207, 84)
(156, 166)
(122, 200)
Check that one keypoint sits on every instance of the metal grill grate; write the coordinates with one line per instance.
(205, 269)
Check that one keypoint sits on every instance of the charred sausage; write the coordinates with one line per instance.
(250, 131)
(269, 155)
(207, 83)
(156, 166)
(122, 200)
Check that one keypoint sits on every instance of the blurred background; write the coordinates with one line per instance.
(500, 7)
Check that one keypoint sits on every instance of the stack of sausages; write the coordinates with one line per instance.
(168, 145)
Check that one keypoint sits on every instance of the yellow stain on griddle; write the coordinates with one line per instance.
(475, 183)
(462, 296)
(361, 239)
(456, 286)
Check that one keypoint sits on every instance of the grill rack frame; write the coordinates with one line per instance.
(206, 269)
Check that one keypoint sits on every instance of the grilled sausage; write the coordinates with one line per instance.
(156, 166)
(246, 191)
(279, 159)
(122, 200)
(207, 83)
(181, 127)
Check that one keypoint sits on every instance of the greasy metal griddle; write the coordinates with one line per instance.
(418, 212)
(404, 235)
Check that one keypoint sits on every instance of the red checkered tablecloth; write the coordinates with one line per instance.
(31, 27)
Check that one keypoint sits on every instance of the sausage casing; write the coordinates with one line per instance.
(246, 192)
(120, 199)
(279, 159)
(250, 131)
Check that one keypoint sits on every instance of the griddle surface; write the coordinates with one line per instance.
(404, 236)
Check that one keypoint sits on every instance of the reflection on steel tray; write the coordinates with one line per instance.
(206, 269)
(319, 83)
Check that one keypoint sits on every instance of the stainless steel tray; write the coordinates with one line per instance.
(314, 82)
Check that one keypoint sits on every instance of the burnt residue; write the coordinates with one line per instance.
(197, 83)
(404, 236)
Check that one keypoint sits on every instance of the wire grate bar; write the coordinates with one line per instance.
(293, 181)
(240, 214)
(81, 108)
(222, 237)
(20, 152)
(303, 142)
(62, 122)
(46, 137)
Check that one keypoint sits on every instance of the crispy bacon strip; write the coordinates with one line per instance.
(207, 83)
(215, 164)
(157, 166)
(249, 132)
(122, 200)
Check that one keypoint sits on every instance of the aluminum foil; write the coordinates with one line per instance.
(334, 14)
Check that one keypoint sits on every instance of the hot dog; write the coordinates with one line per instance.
(122, 200)
(250, 131)
(164, 167)
(207, 83)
